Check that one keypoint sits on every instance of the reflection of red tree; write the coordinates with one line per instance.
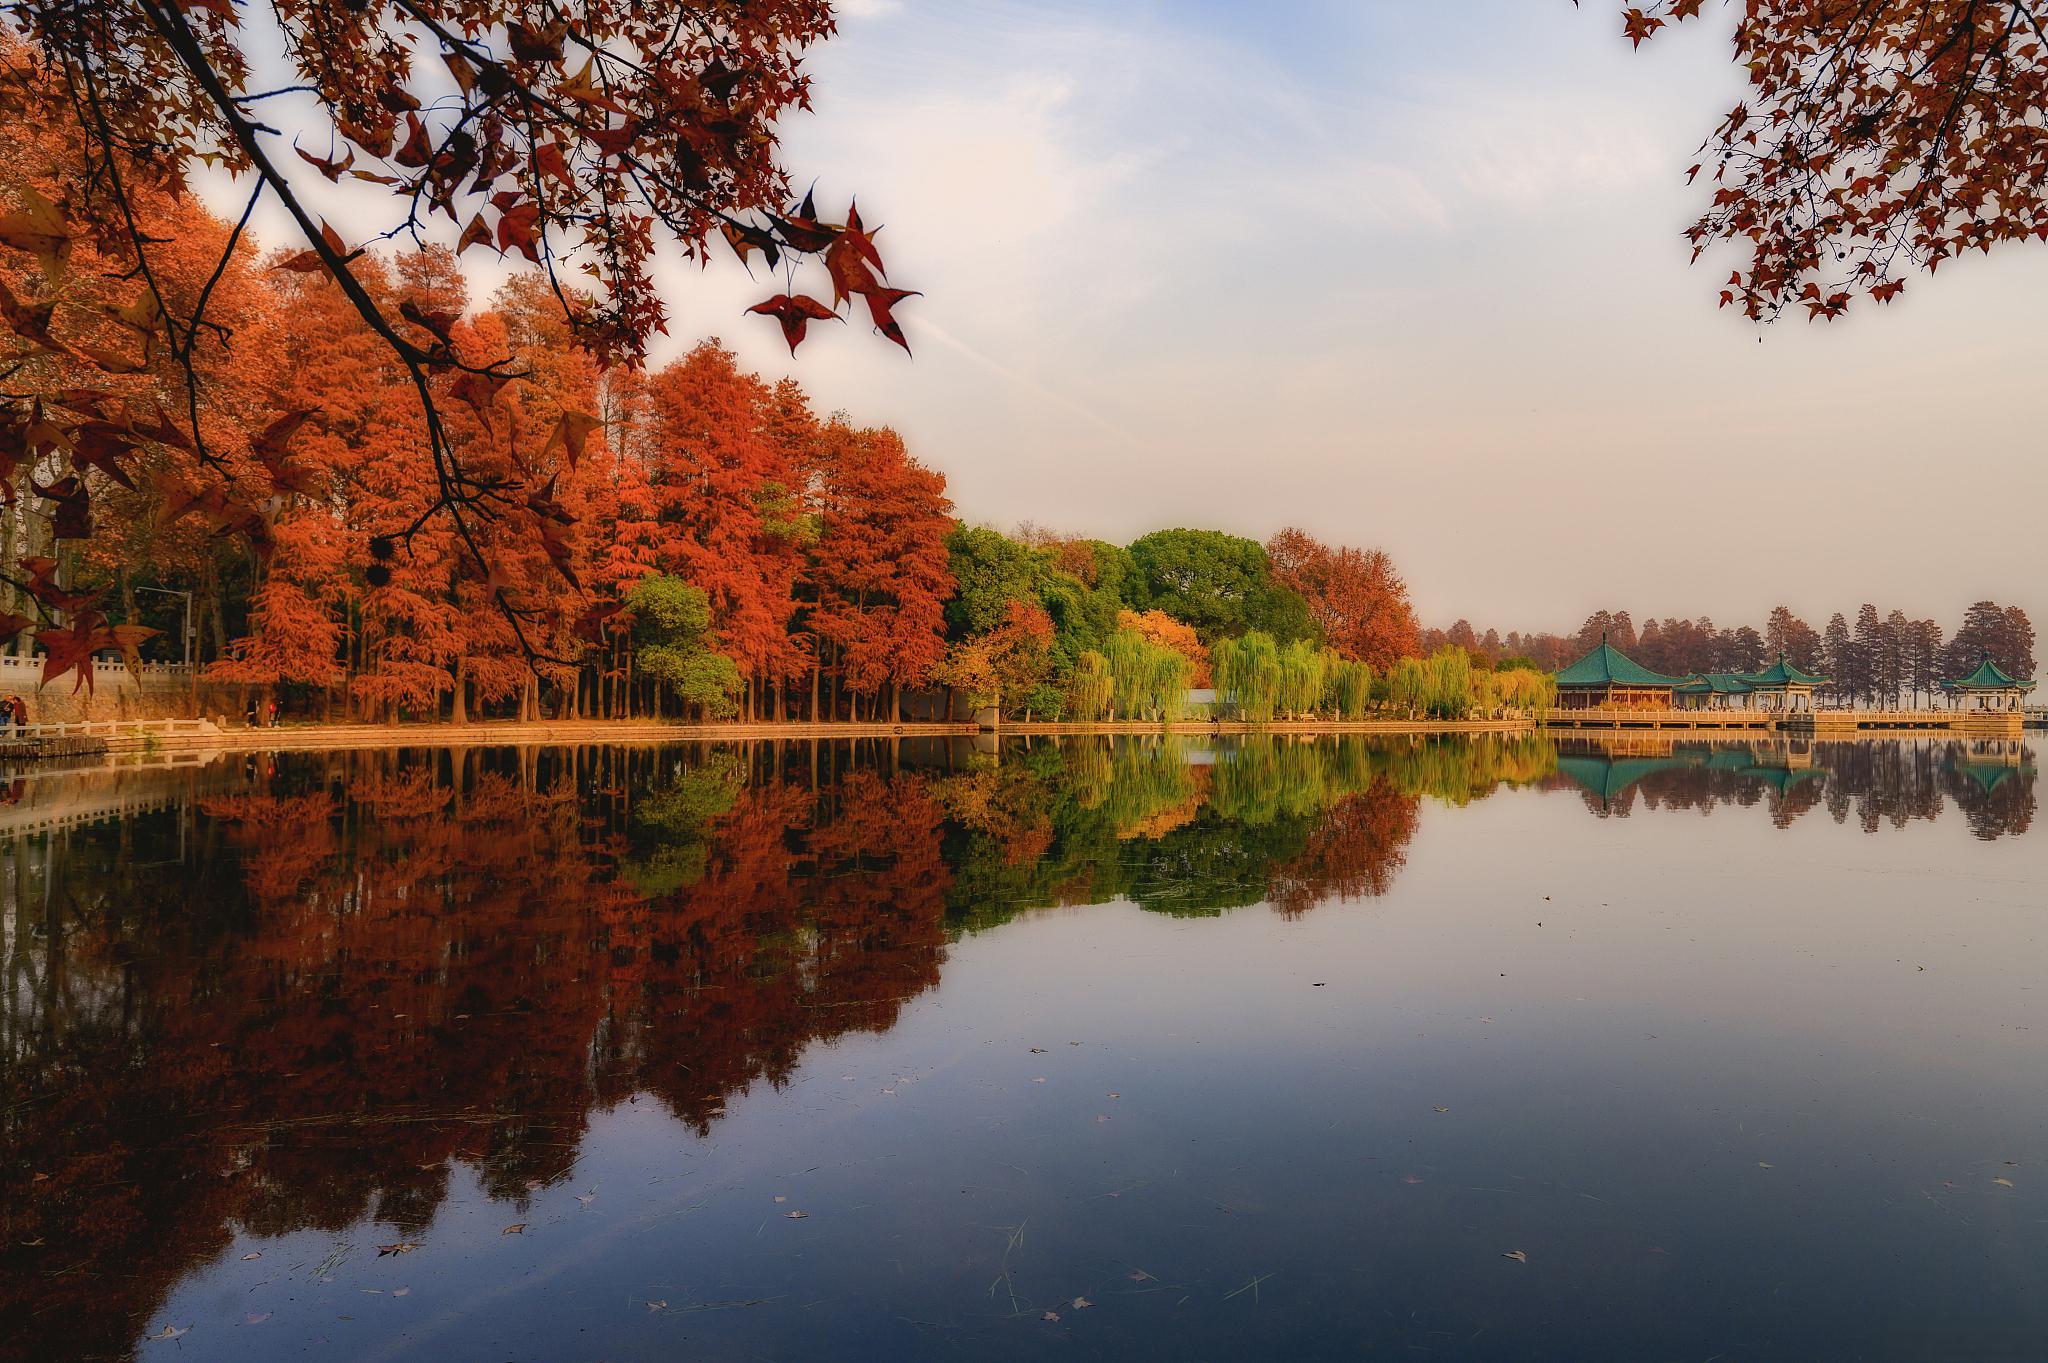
(432, 963)
(1354, 852)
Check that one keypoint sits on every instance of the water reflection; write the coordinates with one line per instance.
(1875, 785)
(317, 993)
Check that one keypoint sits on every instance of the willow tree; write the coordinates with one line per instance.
(1247, 671)
(1347, 689)
(1091, 690)
(1302, 667)
(1151, 680)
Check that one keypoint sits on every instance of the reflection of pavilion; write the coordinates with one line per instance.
(1991, 762)
(1606, 768)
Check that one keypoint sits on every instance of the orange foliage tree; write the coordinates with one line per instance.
(575, 136)
(1877, 137)
(1355, 595)
(1160, 628)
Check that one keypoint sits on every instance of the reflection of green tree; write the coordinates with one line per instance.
(670, 827)
(1133, 820)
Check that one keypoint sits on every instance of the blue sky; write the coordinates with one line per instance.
(1406, 274)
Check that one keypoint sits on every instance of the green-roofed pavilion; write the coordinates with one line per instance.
(1783, 686)
(1989, 687)
(1607, 678)
(1713, 691)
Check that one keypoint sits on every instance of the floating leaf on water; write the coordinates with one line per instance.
(1116, 1095)
(1050, 1315)
(516, 1228)
(1082, 1303)
(401, 1291)
(170, 1332)
(1139, 1275)
(795, 1216)
(780, 1198)
(586, 1198)
(2003, 1182)
(402, 1247)
(1517, 1256)
(657, 1306)
(1443, 1109)
(1100, 1118)
(252, 1255)
(255, 1318)
(1764, 1164)
(1038, 1050)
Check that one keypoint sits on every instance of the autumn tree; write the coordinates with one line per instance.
(2003, 634)
(727, 509)
(1167, 632)
(576, 137)
(1356, 597)
(879, 567)
(1005, 666)
(1875, 139)
(1786, 634)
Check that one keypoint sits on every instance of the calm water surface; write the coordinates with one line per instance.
(1488, 1049)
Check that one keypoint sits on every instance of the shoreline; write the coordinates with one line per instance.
(570, 733)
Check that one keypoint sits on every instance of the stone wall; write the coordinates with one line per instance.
(163, 692)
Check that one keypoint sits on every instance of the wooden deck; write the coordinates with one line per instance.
(1820, 723)
(1643, 717)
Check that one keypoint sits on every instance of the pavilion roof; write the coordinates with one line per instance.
(1609, 666)
(1715, 683)
(1989, 676)
(1783, 673)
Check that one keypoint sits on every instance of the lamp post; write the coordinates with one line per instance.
(192, 673)
(167, 591)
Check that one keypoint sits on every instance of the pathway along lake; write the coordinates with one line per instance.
(1472, 1049)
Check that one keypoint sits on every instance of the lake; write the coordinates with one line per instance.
(1473, 1048)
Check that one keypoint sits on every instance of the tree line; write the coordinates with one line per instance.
(688, 541)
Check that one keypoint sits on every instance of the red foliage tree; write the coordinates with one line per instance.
(1877, 137)
(879, 572)
(1356, 596)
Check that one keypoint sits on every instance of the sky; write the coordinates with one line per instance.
(1406, 275)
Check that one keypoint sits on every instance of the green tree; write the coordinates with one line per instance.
(1221, 584)
(671, 627)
